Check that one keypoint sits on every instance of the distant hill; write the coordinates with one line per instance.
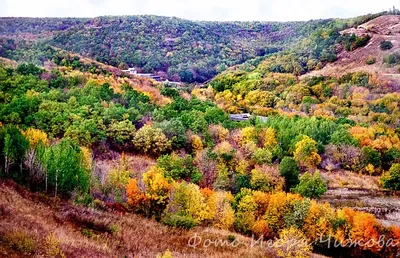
(176, 48)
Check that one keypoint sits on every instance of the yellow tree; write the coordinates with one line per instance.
(220, 209)
(186, 204)
(35, 136)
(293, 243)
(306, 153)
(277, 209)
(245, 217)
(197, 144)
(268, 138)
(318, 223)
(248, 134)
(157, 191)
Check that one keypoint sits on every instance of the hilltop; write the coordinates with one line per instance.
(383, 28)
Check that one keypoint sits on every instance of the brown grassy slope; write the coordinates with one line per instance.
(385, 27)
(8, 62)
(104, 234)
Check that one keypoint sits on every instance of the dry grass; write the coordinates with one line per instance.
(8, 62)
(348, 179)
(84, 232)
(138, 164)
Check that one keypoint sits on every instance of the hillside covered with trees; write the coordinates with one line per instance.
(97, 163)
(179, 49)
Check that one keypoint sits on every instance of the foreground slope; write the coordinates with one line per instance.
(84, 232)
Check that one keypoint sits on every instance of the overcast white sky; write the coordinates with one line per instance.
(221, 10)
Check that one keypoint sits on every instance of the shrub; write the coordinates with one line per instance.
(151, 140)
(180, 221)
(392, 59)
(343, 136)
(290, 171)
(351, 157)
(52, 245)
(170, 92)
(175, 132)
(120, 133)
(386, 45)
(360, 78)
(391, 179)
(21, 242)
(300, 210)
(389, 157)
(29, 68)
(167, 254)
(119, 176)
(353, 42)
(370, 60)
(87, 233)
(311, 186)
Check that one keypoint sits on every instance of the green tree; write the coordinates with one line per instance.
(65, 167)
(262, 156)
(290, 171)
(27, 69)
(175, 132)
(14, 146)
(343, 136)
(311, 186)
(120, 132)
(371, 156)
(176, 167)
(391, 179)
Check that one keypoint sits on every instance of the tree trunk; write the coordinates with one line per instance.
(55, 192)
(46, 182)
(6, 164)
